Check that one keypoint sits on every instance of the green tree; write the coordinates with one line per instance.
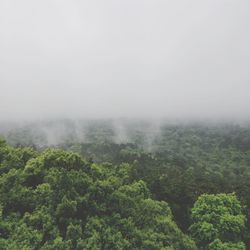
(218, 221)
(57, 200)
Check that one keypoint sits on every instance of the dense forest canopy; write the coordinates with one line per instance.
(107, 184)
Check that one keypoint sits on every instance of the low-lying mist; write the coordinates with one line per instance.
(143, 132)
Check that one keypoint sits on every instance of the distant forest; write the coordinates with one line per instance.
(125, 184)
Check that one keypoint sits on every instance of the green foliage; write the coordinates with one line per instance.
(218, 245)
(217, 217)
(57, 200)
(176, 164)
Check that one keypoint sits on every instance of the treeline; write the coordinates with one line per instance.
(187, 187)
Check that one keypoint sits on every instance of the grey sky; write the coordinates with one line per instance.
(130, 58)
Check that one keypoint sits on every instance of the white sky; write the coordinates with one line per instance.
(130, 58)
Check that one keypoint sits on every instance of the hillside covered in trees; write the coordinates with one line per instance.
(100, 185)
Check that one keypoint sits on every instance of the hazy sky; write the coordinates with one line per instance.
(122, 58)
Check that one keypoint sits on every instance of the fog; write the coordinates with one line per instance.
(131, 58)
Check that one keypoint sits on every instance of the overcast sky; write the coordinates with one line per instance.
(124, 58)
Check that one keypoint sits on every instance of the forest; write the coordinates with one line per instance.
(124, 125)
(105, 184)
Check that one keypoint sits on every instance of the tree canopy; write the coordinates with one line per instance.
(57, 200)
(218, 222)
(96, 174)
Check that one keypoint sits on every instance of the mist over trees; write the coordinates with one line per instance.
(180, 186)
(124, 125)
